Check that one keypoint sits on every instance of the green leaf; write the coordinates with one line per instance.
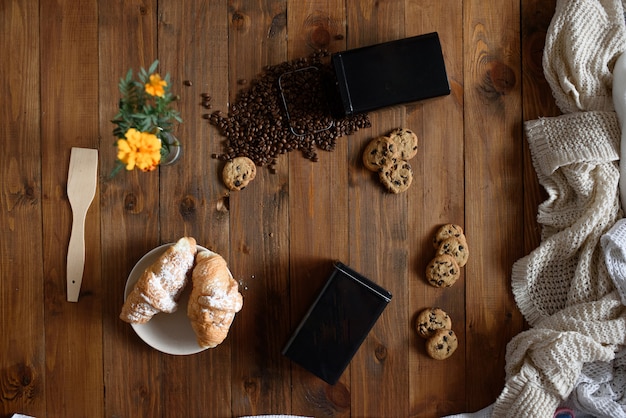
(153, 67)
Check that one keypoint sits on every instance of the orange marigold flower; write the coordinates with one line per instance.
(156, 86)
(139, 149)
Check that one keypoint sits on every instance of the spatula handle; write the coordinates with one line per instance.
(76, 257)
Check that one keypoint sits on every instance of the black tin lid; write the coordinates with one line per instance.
(337, 323)
(391, 73)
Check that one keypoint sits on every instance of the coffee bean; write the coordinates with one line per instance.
(259, 127)
(187, 82)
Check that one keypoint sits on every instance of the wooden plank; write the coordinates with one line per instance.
(69, 52)
(22, 343)
(437, 198)
(537, 101)
(193, 44)
(378, 223)
(318, 208)
(493, 149)
(130, 224)
(259, 222)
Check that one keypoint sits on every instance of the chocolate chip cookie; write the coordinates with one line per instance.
(442, 271)
(447, 231)
(406, 141)
(238, 173)
(456, 247)
(430, 320)
(379, 153)
(442, 344)
(397, 177)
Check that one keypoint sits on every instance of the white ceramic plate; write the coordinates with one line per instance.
(169, 333)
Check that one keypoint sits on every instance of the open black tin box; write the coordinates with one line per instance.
(373, 77)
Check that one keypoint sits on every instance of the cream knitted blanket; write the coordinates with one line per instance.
(584, 40)
(563, 288)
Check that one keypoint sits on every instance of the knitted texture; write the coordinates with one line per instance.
(619, 102)
(584, 39)
(545, 362)
(614, 249)
(600, 388)
(563, 287)
(568, 267)
(483, 413)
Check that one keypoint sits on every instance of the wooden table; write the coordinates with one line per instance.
(61, 62)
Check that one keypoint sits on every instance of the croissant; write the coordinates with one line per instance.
(161, 284)
(214, 300)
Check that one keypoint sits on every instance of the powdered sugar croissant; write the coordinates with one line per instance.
(214, 300)
(161, 284)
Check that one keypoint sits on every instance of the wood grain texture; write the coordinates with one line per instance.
(536, 17)
(190, 199)
(58, 79)
(260, 228)
(492, 133)
(439, 198)
(320, 217)
(379, 251)
(22, 342)
(70, 55)
(129, 205)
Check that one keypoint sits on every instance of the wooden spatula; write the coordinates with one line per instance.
(81, 189)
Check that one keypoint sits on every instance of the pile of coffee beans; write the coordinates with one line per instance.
(259, 127)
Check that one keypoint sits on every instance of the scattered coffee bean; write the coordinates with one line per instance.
(187, 82)
(258, 127)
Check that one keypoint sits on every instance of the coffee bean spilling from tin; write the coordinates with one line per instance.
(259, 127)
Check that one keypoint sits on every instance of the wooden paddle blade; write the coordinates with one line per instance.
(82, 180)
